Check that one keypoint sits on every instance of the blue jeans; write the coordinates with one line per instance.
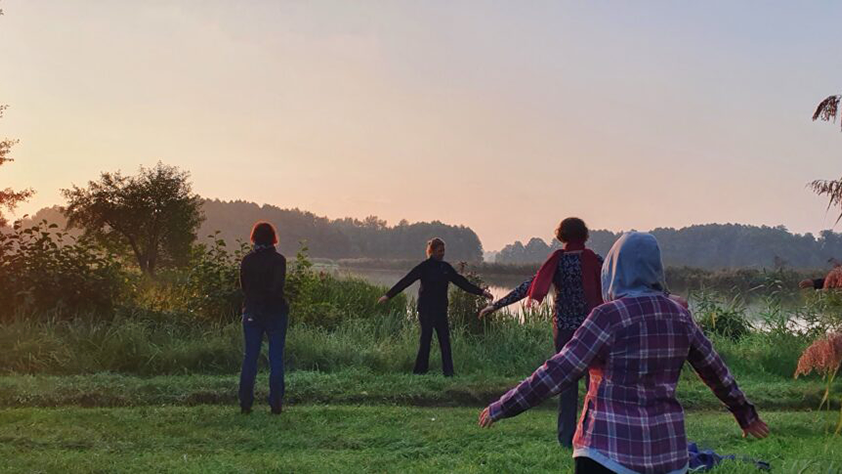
(275, 328)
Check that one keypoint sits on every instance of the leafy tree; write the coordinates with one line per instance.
(9, 198)
(153, 216)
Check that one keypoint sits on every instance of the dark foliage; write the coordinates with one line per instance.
(152, 216)
(339, 238)
(42, 270)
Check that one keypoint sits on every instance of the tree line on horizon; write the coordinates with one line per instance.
(708, 246)
(345, 238)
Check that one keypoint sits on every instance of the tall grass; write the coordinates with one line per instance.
(335, 324)
(146, 344)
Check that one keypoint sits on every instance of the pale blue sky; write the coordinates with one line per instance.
(503, 116)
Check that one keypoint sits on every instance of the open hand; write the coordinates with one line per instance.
(804, 284)
(486, 311)
(383, 299)
(485, 420)
(758, 429)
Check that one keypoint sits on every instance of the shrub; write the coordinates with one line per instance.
(320, 299)
(213, 280)
(464, 307)
(42, 270)
(719, 316)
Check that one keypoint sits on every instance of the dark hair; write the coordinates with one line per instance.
(263, 233)
(572, 229)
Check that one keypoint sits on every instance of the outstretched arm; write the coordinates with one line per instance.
(404, 282)
(463, 282)
(715, 374)
(514, 296)
(558, 373)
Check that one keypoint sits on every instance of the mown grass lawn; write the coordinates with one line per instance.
(348, 438)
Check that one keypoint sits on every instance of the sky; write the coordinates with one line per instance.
(502, 116)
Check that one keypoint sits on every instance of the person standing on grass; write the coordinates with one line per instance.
(435, 275)
(574, 271)
(634, 347)
(265, 311)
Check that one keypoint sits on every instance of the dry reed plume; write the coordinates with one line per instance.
(824, 356)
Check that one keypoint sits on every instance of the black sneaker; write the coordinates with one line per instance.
(277, 409)
(245, 411)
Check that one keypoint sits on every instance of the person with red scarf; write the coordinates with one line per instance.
(574, 272)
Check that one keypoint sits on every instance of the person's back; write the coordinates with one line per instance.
(651, 341)
(633, 383)
(435, 277)
(262, 275)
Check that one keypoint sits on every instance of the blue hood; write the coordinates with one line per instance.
(633, 267)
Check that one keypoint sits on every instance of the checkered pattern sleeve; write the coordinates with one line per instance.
(715, 374)
(559, 372)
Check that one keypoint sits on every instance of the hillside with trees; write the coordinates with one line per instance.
(339, 238)
(326, 238)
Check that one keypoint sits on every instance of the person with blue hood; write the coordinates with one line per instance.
(633, 347)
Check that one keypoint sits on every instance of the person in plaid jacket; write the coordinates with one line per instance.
(633, 347)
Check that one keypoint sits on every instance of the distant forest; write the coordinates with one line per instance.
(710, 246)
(325, 238)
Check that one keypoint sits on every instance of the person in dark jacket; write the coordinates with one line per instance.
(265, 310)
(435, 275)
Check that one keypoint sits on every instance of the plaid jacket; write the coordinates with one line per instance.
(634, 349)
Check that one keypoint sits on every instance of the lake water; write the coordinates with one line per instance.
(500, 285)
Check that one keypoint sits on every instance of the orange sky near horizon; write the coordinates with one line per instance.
(503, 117)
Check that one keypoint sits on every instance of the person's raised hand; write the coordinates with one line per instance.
(487, 295)
(486, 311)
(485, 420)
(758, 429)
(383, 299)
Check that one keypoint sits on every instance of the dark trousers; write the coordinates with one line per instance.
(568, 401)
(275, 328)
(434, 321)
(589, 466)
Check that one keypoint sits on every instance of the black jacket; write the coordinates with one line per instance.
(435, 276)
(262, 277)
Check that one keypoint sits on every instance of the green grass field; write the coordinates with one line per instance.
(348, 438)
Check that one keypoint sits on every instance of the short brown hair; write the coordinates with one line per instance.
(572, 229)
(263, 233)
(433, 244)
